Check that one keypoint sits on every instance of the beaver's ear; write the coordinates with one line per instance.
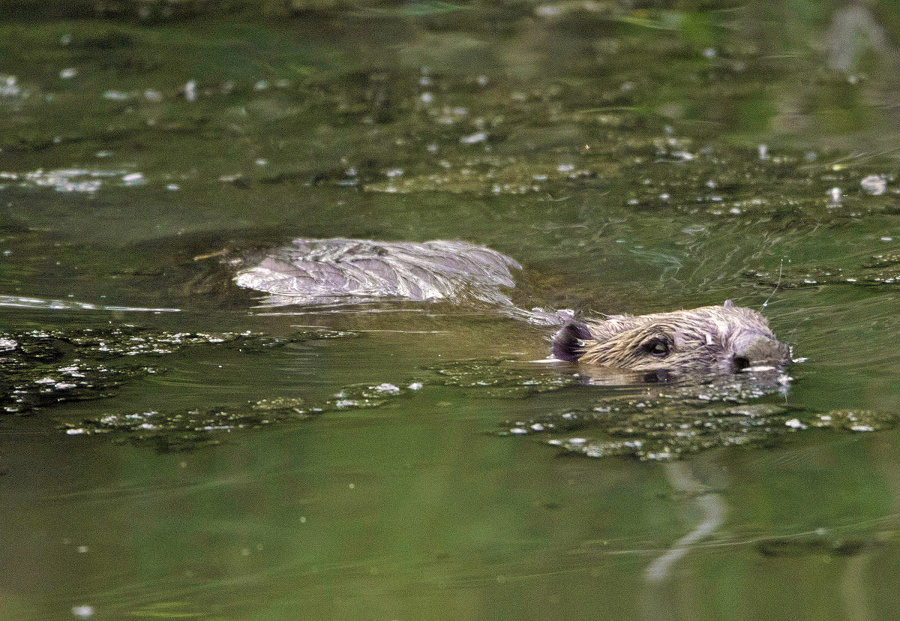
(728, 304)
(568, 343)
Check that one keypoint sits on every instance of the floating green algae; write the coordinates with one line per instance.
(181, 430)
(39, 369)
(501, 377)
(657, 430)
(653, 422)
(43, 368)
(668, 423)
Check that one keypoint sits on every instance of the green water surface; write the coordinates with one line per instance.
(635, 158)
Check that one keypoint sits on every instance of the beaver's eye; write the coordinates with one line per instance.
(657, 347)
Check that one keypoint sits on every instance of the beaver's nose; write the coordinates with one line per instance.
(760, 351)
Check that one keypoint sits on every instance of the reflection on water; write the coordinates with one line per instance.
(854, 31)
(633, 159)
(713, 511)
(10, 301)
(73, 180)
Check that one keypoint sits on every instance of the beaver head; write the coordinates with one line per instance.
(710, 339)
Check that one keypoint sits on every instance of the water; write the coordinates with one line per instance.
(632, 161)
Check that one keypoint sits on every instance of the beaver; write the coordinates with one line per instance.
(710, 339)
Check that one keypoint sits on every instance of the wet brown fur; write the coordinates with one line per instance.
(717, 339)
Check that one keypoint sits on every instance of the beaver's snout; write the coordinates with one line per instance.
(760, 352)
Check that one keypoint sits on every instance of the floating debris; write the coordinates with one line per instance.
(876, 185)
(9, 86)
(77, 180)
(814, 544)
(190, 91)
(835, 195)
(855, 420)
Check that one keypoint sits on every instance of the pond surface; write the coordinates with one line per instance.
(170, 449)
